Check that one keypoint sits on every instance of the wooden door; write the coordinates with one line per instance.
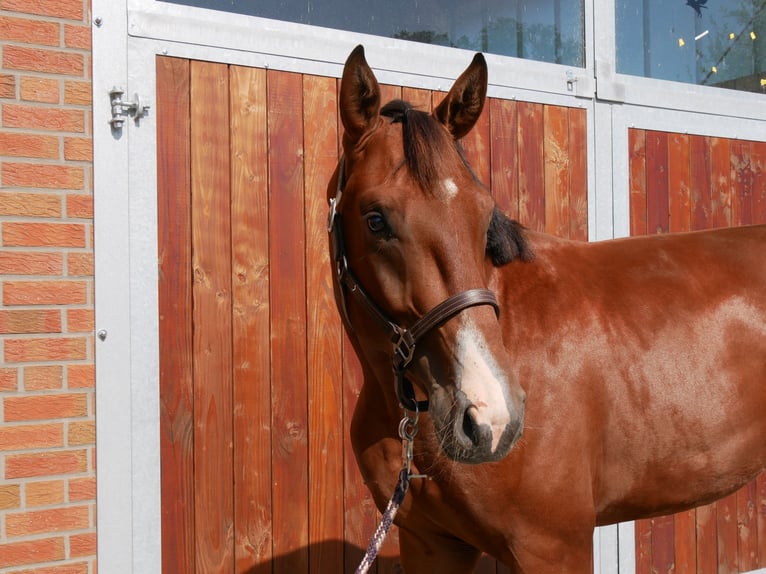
(681, 182)
(257, 380)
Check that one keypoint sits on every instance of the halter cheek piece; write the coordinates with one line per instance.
(404, 339)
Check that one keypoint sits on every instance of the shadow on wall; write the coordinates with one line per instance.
(336, 556)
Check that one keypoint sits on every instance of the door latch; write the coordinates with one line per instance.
(121, 109)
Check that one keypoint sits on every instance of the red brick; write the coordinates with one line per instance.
(82, 545)
(73, 568)
(79, 205)
(69, 9)
(44, 377)
(44, 493)
(29, 31)
(82, 433)
(46, 407)
(25, 234)
(43, 175)
(25, 437)
(44, 90)
(77, 36)
(82, 489)
(10, 496)
(7, 86)
(43, 118)
(45, 521)
(9, 379)
(30, 204)
(78, 149)
(40, 60)
(80, 321)
(81, 376)
(31, 552)
(45, 349)
(80, 264)
(78, 93)
(45, 464)
(15, 144)
(30, 321)
(31, 263)
(45, 293)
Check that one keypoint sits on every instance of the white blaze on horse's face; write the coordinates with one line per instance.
(483, 383)
(448, 189)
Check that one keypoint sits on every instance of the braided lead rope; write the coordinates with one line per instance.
(385, 522)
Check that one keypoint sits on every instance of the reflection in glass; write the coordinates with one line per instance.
(710, 42)
(544, 30)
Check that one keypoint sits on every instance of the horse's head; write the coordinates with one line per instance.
(413, 234)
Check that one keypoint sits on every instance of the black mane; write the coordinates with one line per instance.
(427, 148)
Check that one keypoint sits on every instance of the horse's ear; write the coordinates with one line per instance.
(359, 95)
(463, 104)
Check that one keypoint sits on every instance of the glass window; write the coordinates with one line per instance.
(709, 42)
(544, 30)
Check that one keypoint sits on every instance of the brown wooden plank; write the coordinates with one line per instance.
(657, 203)
(578, 174)
(686, 542)
(761, 517)
(747, 527)
(707, 539)
(325, 392)
(726, 515)
(289, 408)
(389, 92)
(678, 183)
(720, 182)
(175, 315)
(531, 167)
(741, 182)
(503, 180)
(211, 270)
(250, 317)
(663, 544)
(699, 161)
(476, 147)
(637, 168)
(556, 169)
(758, 163)
(644, 546)
(419, 98)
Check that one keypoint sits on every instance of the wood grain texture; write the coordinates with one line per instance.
(685, 533)
(657, 200)
(679, 199)
(504, 180)
(578, 174)
(556, 170)
(211, 237)
(289, 414)
(324, 333)
(637, 179)
(741, 182)
(175, 315)
(250, 317)
(699, 160)
(531, 166)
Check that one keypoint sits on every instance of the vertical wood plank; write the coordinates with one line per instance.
(476, 147)
(250, 318)
(726, 515)
(556, 169)
(686, 542)
(657, 206)
(175, 315)
(707, 540)
(212, 317)
(503, 156)
(289, 414)
(758, 163)
(678, 183)
(644, 546)
(325, 392)
(761, 517)
(637, 163)
(720, 189)
(747, 527)
(389, 92)
(531, 168)
(699, 159)
(663, 544)
(741, 183)
(420, 99)
(578, 177)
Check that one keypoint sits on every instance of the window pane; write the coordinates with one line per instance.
(544, 30)
(710, 42)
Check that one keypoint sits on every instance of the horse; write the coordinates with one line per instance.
(559, 385)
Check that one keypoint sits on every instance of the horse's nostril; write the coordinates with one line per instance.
(470, 426)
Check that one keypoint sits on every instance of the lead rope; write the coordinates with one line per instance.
(408, 428)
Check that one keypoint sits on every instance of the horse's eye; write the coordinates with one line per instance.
(376, 223)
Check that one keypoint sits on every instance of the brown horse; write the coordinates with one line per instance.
(636, 368)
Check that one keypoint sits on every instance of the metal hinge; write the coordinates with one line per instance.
(121, 110)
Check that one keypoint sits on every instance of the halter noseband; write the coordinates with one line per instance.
(404, 339)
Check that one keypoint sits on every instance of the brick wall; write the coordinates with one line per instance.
(47, 452)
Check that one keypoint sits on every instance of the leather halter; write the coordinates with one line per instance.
(404, 339)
